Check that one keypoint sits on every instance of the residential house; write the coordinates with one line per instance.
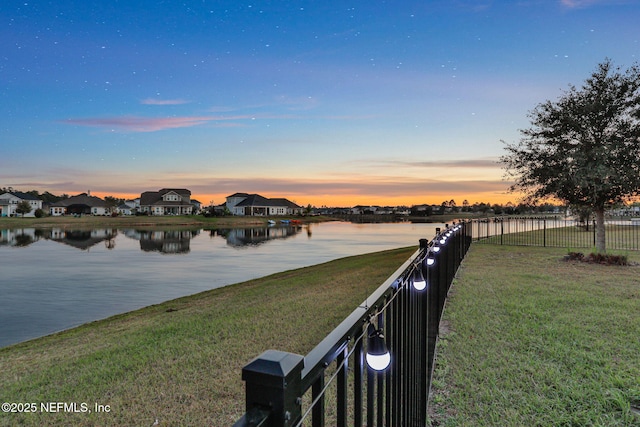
(197, 205)
(129, 207)
(168, 201)
(82, 204)
(10, 201)
(257, 205)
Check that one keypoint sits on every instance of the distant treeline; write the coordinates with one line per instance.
(484, 208)
(48, 198)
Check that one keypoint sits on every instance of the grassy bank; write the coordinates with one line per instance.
(618, 237)
(531, 340)
(147, 221)
(180, 362)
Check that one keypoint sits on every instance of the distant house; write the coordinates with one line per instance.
(257, 205)
(168, 201)
(82, 204)
(129, 207)
(197, 205)
(10, 201)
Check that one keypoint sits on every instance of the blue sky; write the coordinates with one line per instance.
(323, 102)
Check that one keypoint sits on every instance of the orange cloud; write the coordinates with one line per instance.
(353, 191)
(332, 191)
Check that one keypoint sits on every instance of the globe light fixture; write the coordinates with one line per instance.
(378, 356)
(418, 280)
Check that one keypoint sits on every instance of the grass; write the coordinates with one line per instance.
(143, 221)
(180, 362)
(537, 341)
(527, 340)
(618, 237)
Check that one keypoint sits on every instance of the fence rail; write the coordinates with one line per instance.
(333, 384)
(553, 231)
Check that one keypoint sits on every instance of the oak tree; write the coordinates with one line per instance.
(583, 149)
(23, 207)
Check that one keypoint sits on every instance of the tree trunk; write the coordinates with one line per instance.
(600, 236)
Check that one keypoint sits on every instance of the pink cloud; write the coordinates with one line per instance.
(142, 124)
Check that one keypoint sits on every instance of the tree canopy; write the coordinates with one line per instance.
(23, 207)
(583, 149)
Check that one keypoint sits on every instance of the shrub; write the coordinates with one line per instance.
(598, 258)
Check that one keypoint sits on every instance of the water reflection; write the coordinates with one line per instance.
(18, 237)
(85, 275)
(255, 236)
(165, 242)
(82, 239)
(151, 240)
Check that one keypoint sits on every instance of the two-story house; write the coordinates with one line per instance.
(168, 201)
(10, 201)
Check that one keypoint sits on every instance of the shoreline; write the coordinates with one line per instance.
(150, 221)
(181, 361)
(89, 221)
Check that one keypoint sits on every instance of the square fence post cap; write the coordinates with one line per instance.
(274, 367)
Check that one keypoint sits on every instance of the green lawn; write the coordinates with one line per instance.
(180, 362)
(618, 238)
(528, 340)
(531, 340)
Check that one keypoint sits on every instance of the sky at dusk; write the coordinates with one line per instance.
(333, 103)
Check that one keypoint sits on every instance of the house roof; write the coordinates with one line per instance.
(81, 199)
(258, 200)
(285, 202)
(23, 196)
(149, 198)
(238, 195)
(254, 200)
(180, 191)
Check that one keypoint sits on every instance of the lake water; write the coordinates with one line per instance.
(56, 279)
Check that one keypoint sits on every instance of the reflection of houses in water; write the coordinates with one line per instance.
(19, 236)
(256, 236)
(166, 242)
(83, 239)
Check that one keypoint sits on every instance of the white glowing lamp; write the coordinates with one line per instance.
(419, 282)
(378, 356)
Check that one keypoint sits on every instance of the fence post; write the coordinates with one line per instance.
(273, 390)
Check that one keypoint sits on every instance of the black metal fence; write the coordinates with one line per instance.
(338, 383)
(555, 231)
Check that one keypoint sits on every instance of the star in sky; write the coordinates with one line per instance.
(325, 103)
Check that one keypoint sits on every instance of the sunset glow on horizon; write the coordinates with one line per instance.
(327, 104)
